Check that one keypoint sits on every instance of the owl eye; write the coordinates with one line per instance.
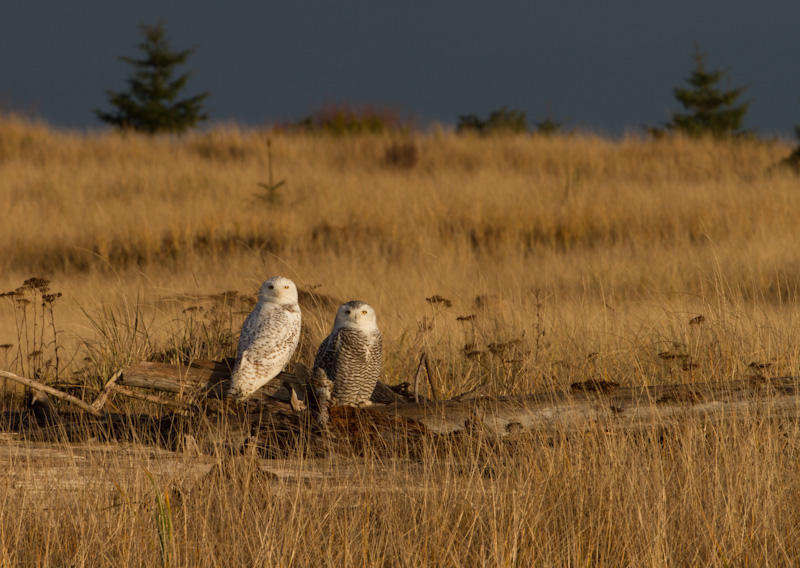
(271, 287)
(347, 312)
(286, 287)
(363, 311)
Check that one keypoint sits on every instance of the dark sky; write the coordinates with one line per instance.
(608, 67)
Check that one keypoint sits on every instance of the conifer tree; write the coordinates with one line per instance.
(710, 111)
(150, 104)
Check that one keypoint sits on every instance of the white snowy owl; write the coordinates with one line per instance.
(352, 354)
(269, 337)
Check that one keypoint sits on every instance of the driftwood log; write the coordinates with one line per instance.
(198, 417)
(584, 404)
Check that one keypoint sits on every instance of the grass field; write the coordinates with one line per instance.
(554, 259)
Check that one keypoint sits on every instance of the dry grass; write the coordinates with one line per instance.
(702, 495)
(561, 258)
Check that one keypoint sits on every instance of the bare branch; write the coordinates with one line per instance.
(50, 390)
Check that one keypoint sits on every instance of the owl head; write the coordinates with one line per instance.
(356, 315)
(278, 290)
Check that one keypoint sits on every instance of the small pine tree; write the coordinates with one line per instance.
(150, 106)
(710, 110)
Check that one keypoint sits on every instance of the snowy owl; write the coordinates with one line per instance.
(352, 354)
(269, 337)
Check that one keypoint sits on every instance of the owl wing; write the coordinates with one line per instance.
(375, 355)
(327, 353)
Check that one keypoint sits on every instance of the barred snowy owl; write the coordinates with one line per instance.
(269, 337)
(352, 354)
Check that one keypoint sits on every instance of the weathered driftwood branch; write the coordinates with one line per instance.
(36, 385)
(108, 388)
(585, 405)
(179, 379)
(151, 398)
(612, 407)
(592, 405)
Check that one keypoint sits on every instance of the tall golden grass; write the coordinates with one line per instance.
(561, 258)
(704, 494)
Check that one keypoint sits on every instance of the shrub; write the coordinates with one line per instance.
(343, 118)
(502, 120)
(401, 155)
